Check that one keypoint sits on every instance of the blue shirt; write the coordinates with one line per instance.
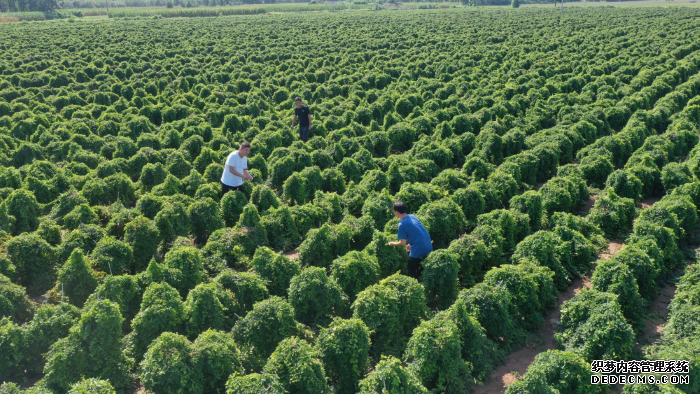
(412, 230)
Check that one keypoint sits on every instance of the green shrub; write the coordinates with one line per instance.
(380, 207)
(92, 386)
(205, 218)
(254, 383)
(674, 175)
(123, 290)
(614, 276)
(494, 241)
(548, 250)
(390, 377)
(14, 303)
(593, 326)
(13, 349)
(112, 256)
(216, 356)
(472, 203)
(172, 221)
(683, 208)
(477, 169)
(658, 214)
(390, 258)
(354, 272)
(667, 241)
(444, 221)
(434, 355)
(532, 290)
(450, 180)
(295, 364)
(168, 366)
(316, 297)
(92, 349)
(161, 310)
(687, 349)
(562, 372)
(579, 250)
(34, 260)
(333, 181)
(204, 310)
(505, 186)
(316, 248)
(625, 184)
(513, 226)
(649, 174)
(596, 169)
(248, 287)
(76, 280)
(343, 348)
(22, 205)
(82, 214)
(577, 223)
(531, 204)
(232, 204)
(142, 235)
(264, 198)
(277, 270)
(440, 278)
(280, 228)
(477, 350)
(263, 328)
(391, 309)
(612, 214)
(471, 253)
(494, 310)
(645, 272)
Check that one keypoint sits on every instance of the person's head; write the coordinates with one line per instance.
(400, 209)
(297, 101)
(244, 149)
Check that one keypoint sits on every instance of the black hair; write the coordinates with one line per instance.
(400, 207)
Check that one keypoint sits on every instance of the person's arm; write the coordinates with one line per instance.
(309, 120)
(400, 242)
(247, 175)
(236, 173)
(294, 120)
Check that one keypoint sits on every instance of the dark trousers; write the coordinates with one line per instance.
(304, 133)
(226, 188)
(415, 267)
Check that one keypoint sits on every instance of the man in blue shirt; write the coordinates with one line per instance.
(415, 237)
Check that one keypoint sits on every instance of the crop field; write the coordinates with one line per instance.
(525, 140)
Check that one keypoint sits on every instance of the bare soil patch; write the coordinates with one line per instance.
(294, 254)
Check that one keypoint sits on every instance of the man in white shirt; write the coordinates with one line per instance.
(236, 169)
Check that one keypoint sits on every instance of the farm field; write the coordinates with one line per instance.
(553, 158)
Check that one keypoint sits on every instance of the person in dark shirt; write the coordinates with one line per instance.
(413, 234)
(304, 115)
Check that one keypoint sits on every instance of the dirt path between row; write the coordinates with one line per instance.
(518, 361)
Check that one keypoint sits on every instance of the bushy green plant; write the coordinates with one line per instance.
(22, 205)
(263, 328)
(277, 270)
(142, 235)
(34, 260)
(612, 214)
(161, 310)
(683, 208)
(254, 383)
(440, 278)
(625, 184)
(280, 228)
(545, 248)
(204, 310)
(316, 298)
(645, 272)
(560, 371)
(391, 259)
(112, 256)
(531, 204)
(513, 226)
(92, 349)
(379, 206)
(493, 308)
(391, 309)
(13, 349)
(667, 241)
(674, 175)
(216, 356)
(354, 272)
(434, 355)
(168, 366)
(172, 221)
(343, 348)
(593, 326)
(205, 218)
(76, 280)
(389, 376)
(14, 303)
(471, 253)
(616, 277)
(123, 290)
(232, 204)
(444, 221)
(188, 268)
(92, 386)
(295, 364)
(248, 287)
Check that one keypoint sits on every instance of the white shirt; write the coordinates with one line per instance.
(239, 164)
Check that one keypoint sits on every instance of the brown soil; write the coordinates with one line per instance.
(31, 381)
(294, 254)
(657, 316)
(647, 202)
(613, 248)
(538, 186)
(587, 205)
